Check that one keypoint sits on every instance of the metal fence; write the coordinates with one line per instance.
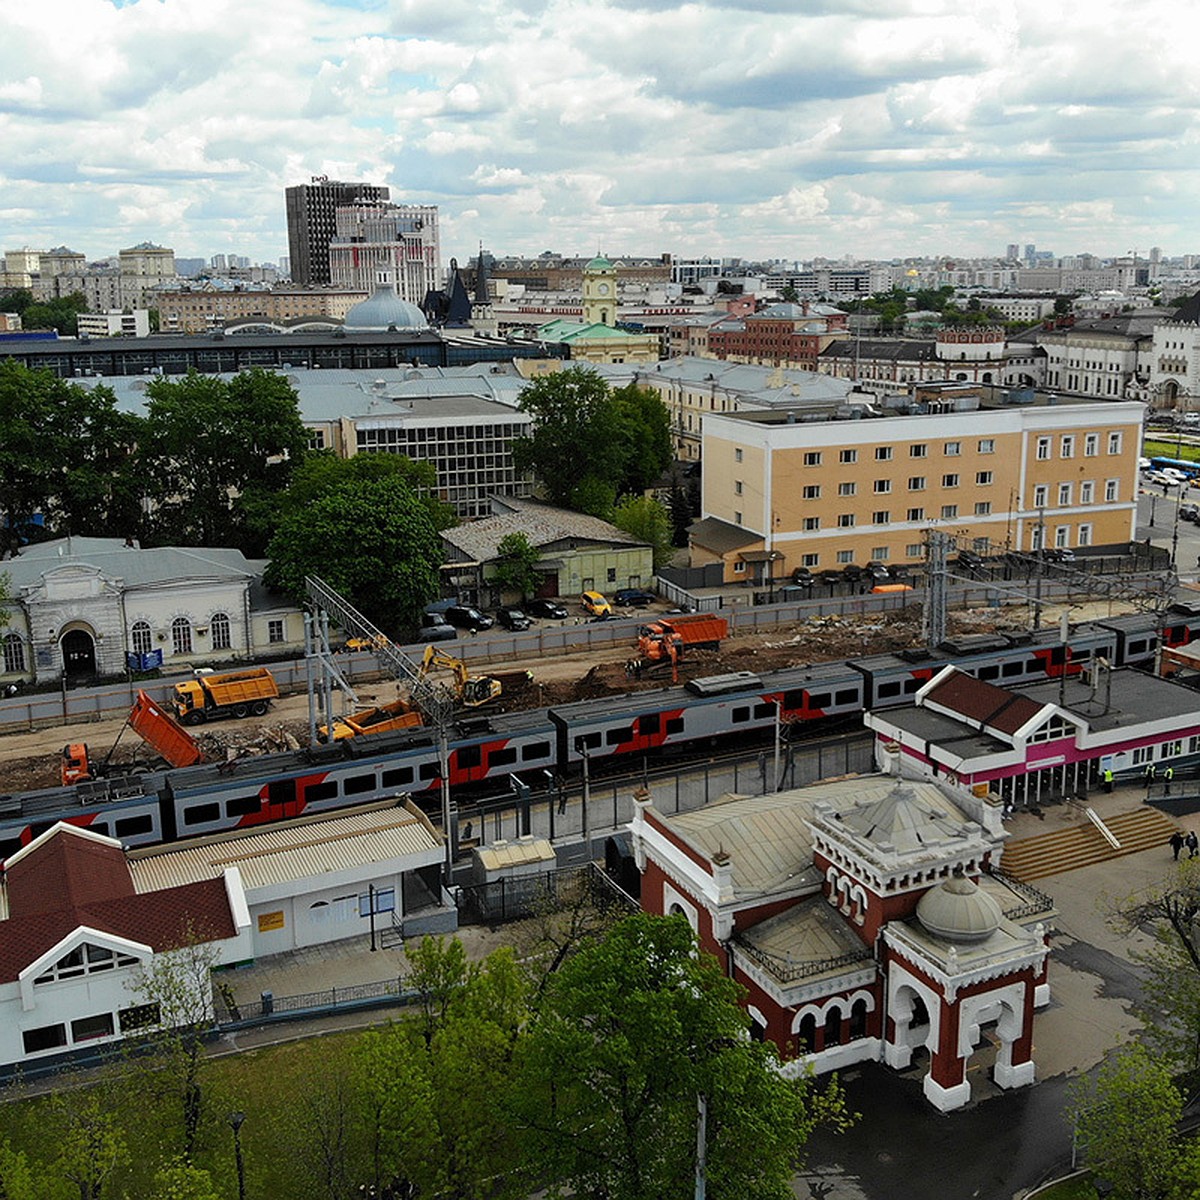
(359, 995)
(514, 898)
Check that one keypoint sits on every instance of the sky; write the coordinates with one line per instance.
(757, 129)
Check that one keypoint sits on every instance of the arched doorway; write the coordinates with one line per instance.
(79, 654)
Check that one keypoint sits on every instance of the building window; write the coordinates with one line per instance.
(845, 556)
(811, 524)
(983, 478)
(883, 486)
(181, 636)
(987, 445)
(47, 1037)
(914, 550)
(1041, 495)
(809, 560)
(1064, 494)
(1043, 448)
(1066, 447)
(848, 456)
(916, 514)
(847, 489)
(1114, 443)
(983, 508)
(949, 512)
(950, 480)
(918, 450)
(812, 458)
(141, 637)
(845, 520)
(1085, 535)
(610, 575)
(916, 483)
(219, 625)
(737, 455)
(881, 516)
(1087, 492)
(883, 453)
(952, 449)
(739, 568)
(1091, 445)
(1062, 536)
(737, 487)
(879, 553)
(87, 1029)
(275, 630)
(1111, 490)
(812, 491)
(14, 654)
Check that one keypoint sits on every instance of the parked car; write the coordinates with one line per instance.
(852, 572)
(878, 572)
(513, 619)
(1143, 464)
(463, 616)
(1189, 512)
(969, 559)
(546, 609)
(633, 598)
(436, 631)
(902, 573)
(1058, 554)
(802, 577)
(596, 604)
(831, 576)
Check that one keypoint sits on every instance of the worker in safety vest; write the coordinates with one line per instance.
(1108, 780)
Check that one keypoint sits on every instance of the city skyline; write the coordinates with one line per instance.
(636, 126)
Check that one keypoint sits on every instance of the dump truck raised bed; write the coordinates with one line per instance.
(400, 714)
(667, 640)
(239, 694)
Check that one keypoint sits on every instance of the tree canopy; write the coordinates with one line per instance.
(373, 540)
(649, 521)
(516, 560)
(589, 444)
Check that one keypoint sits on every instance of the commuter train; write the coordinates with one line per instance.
(485, 752)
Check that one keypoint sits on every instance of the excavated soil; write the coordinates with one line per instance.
(30, 760)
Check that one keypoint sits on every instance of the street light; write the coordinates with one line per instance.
(235, 1120)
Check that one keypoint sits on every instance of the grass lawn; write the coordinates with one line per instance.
(1080, 1187)
(1170, 449)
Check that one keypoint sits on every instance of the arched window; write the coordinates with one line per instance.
(220, 631)
(181, 636)
(142, 637)
(806, 1035)
(858, 1020)
(833, 1027)
(14, 654)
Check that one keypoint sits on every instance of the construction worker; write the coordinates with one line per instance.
(1149, 774)
(1108, 780)
(1168, 775)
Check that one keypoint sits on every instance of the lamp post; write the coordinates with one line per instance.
(235, 1123)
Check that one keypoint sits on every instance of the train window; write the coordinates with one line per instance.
(356, 785)
(587, 741)
(991, 671)
(819, 699)
(1138, 647)
(614, 737)
(198, 814)
(502, 758)
(470, 757)
(846, 696)
(884, 690)
(132, 826)
(321, 791)
(534, 751)
(912, 685)
(1009, 669)
(397, 778)
(242, 806)
(764, 710)
(649, 725)
(429, 770)
(281, 791)
(9, 847)
(741, 714)
(674, 724)
(794, 698)
(99, 827)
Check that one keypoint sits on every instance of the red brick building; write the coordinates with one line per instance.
(783, 335)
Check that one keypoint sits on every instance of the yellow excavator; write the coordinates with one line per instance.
(470, 690)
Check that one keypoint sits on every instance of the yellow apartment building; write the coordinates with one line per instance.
(784, 490)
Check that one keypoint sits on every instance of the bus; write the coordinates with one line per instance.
(1188, 467)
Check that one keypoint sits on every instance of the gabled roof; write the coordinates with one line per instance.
(69, 878)
(719, 536)
(982, 703)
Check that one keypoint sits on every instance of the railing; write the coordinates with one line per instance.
(512, 899)
(1109, 836)
(329, 1000)
(1036, 901)
(789, 972)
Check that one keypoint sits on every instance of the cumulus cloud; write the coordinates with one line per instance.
(736, 127)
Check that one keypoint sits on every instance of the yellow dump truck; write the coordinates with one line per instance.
(238, 694)
(400, 714)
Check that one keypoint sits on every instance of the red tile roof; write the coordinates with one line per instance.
(72, 880)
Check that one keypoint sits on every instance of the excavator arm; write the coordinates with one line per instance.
(471, 690)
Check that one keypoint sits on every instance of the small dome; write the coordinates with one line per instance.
(384, 310)
(959, 912)
(599, 263)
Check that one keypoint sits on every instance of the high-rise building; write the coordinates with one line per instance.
(1014, 251)
(312, 221)
(399, 241)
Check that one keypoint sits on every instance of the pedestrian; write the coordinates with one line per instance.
(1177, 843)
(1168, 775)
(1108, 780)
(562, 800)
(1148, 774)
(1193, 843)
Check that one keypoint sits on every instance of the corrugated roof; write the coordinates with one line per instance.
(136, 566)
(515, 854)
(293, 850)
(542, 524)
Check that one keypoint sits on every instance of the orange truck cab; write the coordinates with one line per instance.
(76, 767)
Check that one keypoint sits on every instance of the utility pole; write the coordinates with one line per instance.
(937, 547)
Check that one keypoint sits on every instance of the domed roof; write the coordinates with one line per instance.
(385, 310)
(599, 263)
(959, 912)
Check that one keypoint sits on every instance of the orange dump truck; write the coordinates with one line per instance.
(668, 639)
(235, 695)
(400, 714)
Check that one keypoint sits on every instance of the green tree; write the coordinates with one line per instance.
(1126, 1127)
(90, 1144)
(644, 425)
(630, 1033)
(19, 1178)
(372, 540)
(789, 295)
(649, 521)
(181, 1181)
(515, 569)
(212, 447)
(575, 436)
(66, 453)
(681, 514)
(16, 301)
(60, 314)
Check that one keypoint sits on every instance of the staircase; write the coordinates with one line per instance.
(1081, 845)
